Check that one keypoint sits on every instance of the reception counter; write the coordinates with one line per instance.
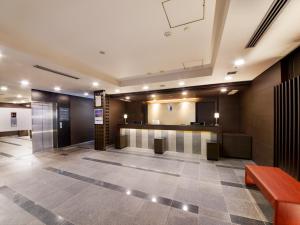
(179, 138)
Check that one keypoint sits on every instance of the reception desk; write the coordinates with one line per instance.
(179, 138)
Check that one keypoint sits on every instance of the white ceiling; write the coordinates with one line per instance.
(67, 35)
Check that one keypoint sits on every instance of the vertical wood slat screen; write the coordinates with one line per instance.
(287, 126)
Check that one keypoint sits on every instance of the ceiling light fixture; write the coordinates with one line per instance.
(19, 96)
(239, 62)
(181, 83)
(228, 77)
(3, 88)
(117, 90)
(1, 55)
(85, 93)
(24, 83)
(127, 97)
(168, 33)
(145, 87)
(223, 90)
(23, 101)
(153, 95)
(184, 93)
(56, 88)
(95, 84)
(14, 102)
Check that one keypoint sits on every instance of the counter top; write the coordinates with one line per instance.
(216, 129)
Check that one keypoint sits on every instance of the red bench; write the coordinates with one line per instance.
(280, 189)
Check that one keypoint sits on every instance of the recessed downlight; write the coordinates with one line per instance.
(86, 94)
(22, 101)
(127, 97)
(228, 77)
(239, 62)
(24, 83)
(181, 83)
(184, 93)
(19, 96)
(117, 90)
(3, 88)
(145, 87)
(153, 96)
(95, 84)
(1, 55)
(57, 88)
(223, 90)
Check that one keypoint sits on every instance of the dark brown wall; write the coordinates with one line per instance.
(230, 113)
(137, 112)
(11, 105)
(116, 112)
(257, 114)
(81, 119)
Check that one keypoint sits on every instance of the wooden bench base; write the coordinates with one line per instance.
(280, 189)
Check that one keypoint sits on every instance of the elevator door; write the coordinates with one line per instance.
(42, 126)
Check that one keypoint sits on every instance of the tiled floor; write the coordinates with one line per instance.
(82, 186)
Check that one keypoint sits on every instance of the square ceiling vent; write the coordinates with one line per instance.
(183, 12)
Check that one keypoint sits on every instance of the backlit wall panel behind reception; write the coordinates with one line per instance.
(172, 113)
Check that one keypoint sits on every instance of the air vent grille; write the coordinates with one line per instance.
(56, 72)
(231, 72)
(272, 13)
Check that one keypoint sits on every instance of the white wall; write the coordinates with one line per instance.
(182, 113)
(23, 119)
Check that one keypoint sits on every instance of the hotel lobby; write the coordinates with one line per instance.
(138, 112)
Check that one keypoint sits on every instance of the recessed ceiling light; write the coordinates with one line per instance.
(24, 82)
(181, 83)
(168, 33)
(95, 84)
(153, 95)
(85, 94)
(3, 88)
(184, 93)
(228, 77)
(23, 101)
(145, 87)
(27, 106)
(117, 90)
(223, 90)
(19, 96)
(56, 88)
(127, 97)
(1, 55)
(239, 62)
(14, 102)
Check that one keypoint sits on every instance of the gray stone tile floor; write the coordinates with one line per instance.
(62, 199)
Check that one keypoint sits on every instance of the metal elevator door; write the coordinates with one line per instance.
(42, 126)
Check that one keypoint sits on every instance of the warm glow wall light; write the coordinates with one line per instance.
(217, 116)
(125, 118)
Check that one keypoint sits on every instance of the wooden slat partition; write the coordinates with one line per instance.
(287, 126)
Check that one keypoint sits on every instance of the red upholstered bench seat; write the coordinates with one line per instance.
(282, 190)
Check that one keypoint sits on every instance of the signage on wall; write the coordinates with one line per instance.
(170, 107)
(63, 114)
(98, 116)
(13, 119)
(98, 101)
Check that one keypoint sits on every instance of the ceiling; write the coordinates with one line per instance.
(126, 45)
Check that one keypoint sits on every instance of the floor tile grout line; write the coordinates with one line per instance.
(131, 166)
(33, 208)
(136, 193)
(10, 143)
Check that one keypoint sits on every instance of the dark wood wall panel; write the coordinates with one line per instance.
(287, 126)
(100, 134)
